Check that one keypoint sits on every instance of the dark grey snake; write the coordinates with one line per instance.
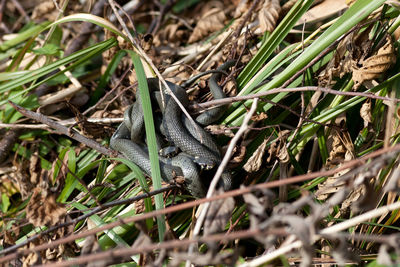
(129, 137)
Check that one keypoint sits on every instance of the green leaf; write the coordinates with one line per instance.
(151, 138)
(5, 202)
(48, 49)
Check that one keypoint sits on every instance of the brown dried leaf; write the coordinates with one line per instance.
(365, 113)
(253, 164)
(43, 209)
(220, 129)
(277, 145)
(259, 117)
(269, 15)
(210, 22)
(90, 129)
(238, 155)
(339, 145)
(374, 66)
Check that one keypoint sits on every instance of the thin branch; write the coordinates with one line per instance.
(237, 192)
(330, 230)
(68, 122)
(122, 252)
(87, 215)
(221, 167)
(229, 100)
(64, 130)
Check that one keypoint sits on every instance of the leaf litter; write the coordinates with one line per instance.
(182, 43)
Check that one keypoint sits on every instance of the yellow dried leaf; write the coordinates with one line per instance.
(269, 15)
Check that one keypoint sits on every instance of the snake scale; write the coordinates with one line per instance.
(198, 149)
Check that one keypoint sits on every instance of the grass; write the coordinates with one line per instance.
(297, 189)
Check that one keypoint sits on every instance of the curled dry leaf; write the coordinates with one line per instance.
(277, 145)
(43, 209)
(210, 22)
(374, 66)
(269, 15)
(259, 117)
(220, 129)
(365, 113)
(238, 154)
(253, 164)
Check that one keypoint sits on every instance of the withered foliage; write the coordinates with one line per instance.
(363, 57)
(248, 226)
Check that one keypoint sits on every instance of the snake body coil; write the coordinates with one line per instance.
(197, 146)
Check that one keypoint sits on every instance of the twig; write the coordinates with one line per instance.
(229, 100)
(221, 167)
(87, 215)
(64, 123)
(246, 18)
(330, 230)
(122, 252)
(64, 130)
(163, 9)
(233, 193)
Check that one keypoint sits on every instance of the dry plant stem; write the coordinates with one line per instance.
(389, 121)
(123, 252)
(118, 253)
(246, 18)
(226, 36)
(330, 230)
(64, 130)
(21, 10)
(87, 215)
(221, 167)
(109, 92)
(229, 100)
(64, 123)
(301, 178)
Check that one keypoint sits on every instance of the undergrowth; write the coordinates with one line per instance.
(313, 106)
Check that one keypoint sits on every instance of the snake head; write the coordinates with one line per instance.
(204, 163)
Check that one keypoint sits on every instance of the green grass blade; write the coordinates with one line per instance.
(355, 14)
(25, 35)
(151, 137)
(273, 41)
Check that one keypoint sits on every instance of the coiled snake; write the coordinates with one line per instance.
(128, 138)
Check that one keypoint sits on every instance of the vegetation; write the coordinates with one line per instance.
(310, 133)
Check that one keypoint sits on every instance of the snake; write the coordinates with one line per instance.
(198, 149)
